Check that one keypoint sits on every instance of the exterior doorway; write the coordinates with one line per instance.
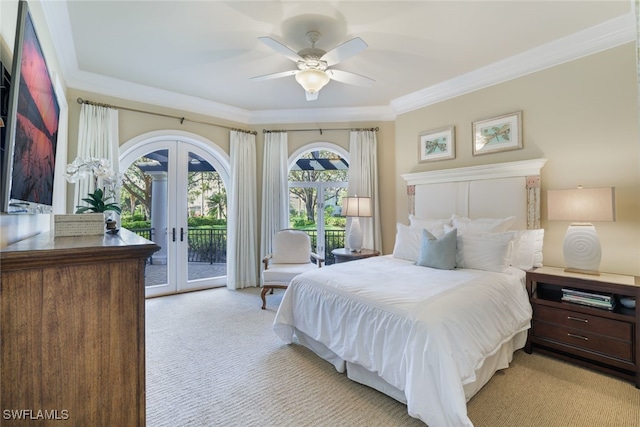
(174, 193)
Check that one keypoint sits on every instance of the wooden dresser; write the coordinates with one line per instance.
(72, 330)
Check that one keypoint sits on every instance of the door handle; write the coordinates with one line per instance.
(181, 234)
(173, 234)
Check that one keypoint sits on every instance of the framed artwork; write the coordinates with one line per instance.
(437, 144)
(502, 133)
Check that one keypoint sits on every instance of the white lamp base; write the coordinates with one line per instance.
(581, 249)
(355, 235)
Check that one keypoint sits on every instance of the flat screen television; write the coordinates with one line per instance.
(31, 126)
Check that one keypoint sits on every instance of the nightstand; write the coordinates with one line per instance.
(345, 254)
(601, 339)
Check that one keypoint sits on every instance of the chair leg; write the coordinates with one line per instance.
(262, 295)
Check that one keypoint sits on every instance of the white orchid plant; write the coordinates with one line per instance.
(102, 173)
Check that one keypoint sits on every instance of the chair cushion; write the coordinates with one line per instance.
(291, 247)
(283, 273)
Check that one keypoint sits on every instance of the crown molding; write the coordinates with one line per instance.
(322, 115)
(606, 35)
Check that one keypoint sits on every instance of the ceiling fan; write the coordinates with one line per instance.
(313, 72)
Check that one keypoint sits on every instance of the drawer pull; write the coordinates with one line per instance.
(577, 336)
(577, 319)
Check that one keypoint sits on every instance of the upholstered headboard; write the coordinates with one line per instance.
(487, 191)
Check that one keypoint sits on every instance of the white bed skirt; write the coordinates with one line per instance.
(500, 360)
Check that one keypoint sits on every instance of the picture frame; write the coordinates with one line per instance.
(437, 144)
(497, 134)
(32, 125)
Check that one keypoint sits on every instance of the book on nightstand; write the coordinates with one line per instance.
(591, 299)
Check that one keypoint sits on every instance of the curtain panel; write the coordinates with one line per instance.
(363, 181)
(275, 189)
(242, 264)
(98, 138)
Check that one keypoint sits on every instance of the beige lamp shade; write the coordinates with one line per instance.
(581, 204)
(356, 206)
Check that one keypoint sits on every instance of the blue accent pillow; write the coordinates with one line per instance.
(438, 253)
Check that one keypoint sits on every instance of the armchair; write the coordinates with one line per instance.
(291, 255)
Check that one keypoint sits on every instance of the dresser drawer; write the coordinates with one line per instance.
(584, 322)
(585, 340)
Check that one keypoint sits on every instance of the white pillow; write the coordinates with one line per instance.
(482, 225)
(408, 240)
(428, 223)
(527, 249)
(484, 251)
(407, 244)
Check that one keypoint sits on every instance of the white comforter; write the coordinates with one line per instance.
(422, 330)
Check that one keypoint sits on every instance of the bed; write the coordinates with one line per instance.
(409, 325)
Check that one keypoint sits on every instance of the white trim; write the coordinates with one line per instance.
(607, 35)
(315, 146)
(145, 139)
(474, 173)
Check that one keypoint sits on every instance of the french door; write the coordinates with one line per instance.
(321, 201)
(177, 178)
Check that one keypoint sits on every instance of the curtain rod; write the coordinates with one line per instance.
(182, 119)
(376, 129)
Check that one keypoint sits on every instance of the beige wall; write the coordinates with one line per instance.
(582, 116)
(133, 124)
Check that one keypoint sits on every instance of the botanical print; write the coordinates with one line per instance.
(501, 133)
(437, 144)
(496, 134)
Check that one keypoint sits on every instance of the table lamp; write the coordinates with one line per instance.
(356, 207)
(581, 247)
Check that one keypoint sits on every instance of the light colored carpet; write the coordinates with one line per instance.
(213, 360)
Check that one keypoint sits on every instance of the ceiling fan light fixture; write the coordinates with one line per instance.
(312, 80)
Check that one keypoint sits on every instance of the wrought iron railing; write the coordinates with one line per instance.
(210, 244)
(332, 239)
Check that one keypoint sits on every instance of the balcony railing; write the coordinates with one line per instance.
(210, 244)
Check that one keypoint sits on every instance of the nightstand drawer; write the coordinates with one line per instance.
(584, 322)
(591, 341)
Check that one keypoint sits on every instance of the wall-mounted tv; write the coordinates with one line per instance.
(31, 126)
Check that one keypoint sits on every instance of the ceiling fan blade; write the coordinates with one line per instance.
(350, 78)
(344, 51)
(275, 75)
(311, 96)
(280, 48)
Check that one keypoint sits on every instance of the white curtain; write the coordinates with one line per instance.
(363, 181)
(275, 189)
(242, 264)
(98, 138)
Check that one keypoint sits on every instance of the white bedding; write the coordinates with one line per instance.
(423, 331)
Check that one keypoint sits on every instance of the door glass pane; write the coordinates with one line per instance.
(207, 221)
(144, 202)
(334, 223)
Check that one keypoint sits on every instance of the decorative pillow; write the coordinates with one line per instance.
(428, 223)
(407, 244)
(438, 252)
(527, 249)
(484, 251)
(482, 225)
